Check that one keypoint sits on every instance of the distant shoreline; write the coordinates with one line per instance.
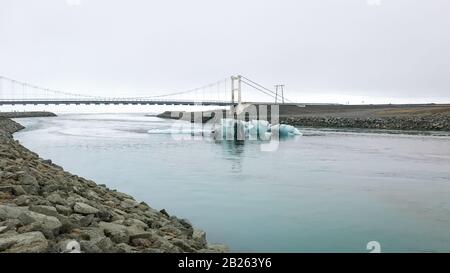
(30, 114)
(420, 117)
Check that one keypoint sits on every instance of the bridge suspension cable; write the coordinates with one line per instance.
(261, 88)
(217, 83)
(218, 92)
(45, 90)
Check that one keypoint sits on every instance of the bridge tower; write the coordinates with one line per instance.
(237, 107)
(236, 89)
(279, 87)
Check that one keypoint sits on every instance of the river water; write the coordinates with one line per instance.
(325, 191)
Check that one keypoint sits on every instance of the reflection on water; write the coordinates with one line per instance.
(233, 152)
(326, 191)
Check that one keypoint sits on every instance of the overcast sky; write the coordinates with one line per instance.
(323, 50)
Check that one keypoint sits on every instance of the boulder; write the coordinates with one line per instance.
(9, 224)
(200, 237)
(117, 233)
(29, 183)
(129, 203)
(10, 212)
(89, 247)
(87, 220)
(150, 235)
(141, 242)
(83, 208)
(63, 210)
(23, 243)
(124, 248)
(184, 245)
(55, 198)
(16, 190)
(106, 245)
(3, 228)
(46, 210)
(33, 221)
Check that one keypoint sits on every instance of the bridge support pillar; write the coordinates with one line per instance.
(235, 92)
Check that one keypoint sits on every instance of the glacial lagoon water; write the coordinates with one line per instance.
(325, 191)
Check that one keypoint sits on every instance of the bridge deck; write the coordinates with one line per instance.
(127, 102)
(111, 102)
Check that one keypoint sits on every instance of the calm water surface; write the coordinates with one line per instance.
(321, 192)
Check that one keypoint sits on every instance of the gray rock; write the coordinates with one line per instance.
(120, 212)
(46, 210)
(133, 226)
(164, 212)
(47, 161)
(128, 203)
(83, 208)
(122, 195)
(139, 242)
(104, 215)
(124, 248)
(200, 237)
(27, 179)
(16, 190)
(29, 183)
(151, 235)
(31, 189)
(92, 234)
(10, 212)
(76, 217)
(55, 198)
(87, 220)
(63, 210)
(23, 243)
(106, 245)
(49, 225)
(89, 247)
(68, 224)
(182, 244)
(117, 233)
(9, 224)
(23, 200)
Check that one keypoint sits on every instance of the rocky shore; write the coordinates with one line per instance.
(424, 123)
(26, 114)
(46, 209)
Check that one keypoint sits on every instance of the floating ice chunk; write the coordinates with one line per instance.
(284, 130)
(180, 131)
(253, 130)
(258, 127)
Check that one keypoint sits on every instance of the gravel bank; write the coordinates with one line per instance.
(435, 122)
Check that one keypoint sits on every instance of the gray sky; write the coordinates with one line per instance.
(323, 50)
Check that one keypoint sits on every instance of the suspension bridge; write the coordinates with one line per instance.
(231, 91)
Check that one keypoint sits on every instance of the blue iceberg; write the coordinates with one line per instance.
(231, 129)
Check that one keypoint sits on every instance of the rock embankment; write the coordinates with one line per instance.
(26, 114)
(46, 209)
(436, 122)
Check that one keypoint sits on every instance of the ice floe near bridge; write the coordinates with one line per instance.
(231, 129)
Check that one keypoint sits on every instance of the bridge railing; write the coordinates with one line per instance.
(111, 101)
